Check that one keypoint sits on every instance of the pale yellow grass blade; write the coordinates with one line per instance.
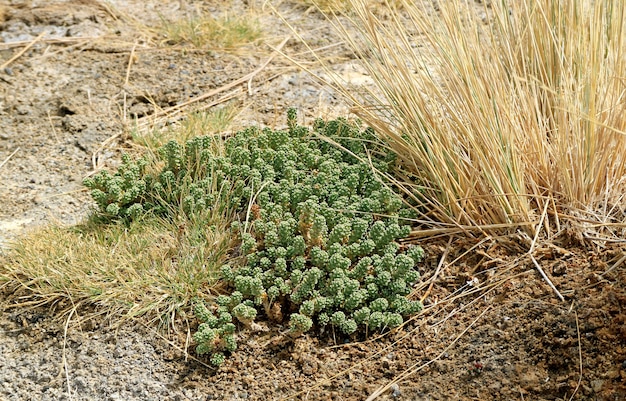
(497, 112)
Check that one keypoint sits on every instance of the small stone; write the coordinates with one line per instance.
(395, 390)
(596, 385)
(23, 345)
(309, 366)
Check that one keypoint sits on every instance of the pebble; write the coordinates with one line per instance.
(395, 390)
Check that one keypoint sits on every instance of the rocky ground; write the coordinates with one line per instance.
(67, 105)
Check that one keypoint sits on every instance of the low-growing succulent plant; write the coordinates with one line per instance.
(123, 193)
(321, 240)
(318, 227)
(216, 332)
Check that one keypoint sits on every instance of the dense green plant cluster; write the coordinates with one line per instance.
(216, 332)
(190, 180)
(317, 226)
(120, 194)
(318, 241)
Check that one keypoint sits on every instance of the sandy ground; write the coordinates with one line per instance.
(66, 105)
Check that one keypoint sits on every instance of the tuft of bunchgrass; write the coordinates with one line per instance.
(499, 116)
(152, 267)
(214, 121)
(226, 33)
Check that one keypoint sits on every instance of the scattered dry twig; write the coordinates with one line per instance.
(545, 277)
(434, 278)
(21, 52)
(49, 41)
(54, 131)
(246, 78)
(130, 63)
(417, 367)
(616, 264)
(174, 345)
(65, 366)
(580, 359)
(8, 157)
(532, 257)
(429, 233)
(94, 155)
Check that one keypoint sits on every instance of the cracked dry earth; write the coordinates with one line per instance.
(66, 104)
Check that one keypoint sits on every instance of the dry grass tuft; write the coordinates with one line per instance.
(496, 120)
(152, 268)
(215, 121)
(226, 33)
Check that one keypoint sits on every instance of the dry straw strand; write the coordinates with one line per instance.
(493, 117)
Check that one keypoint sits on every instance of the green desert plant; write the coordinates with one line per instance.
(502, 115)
(191, 181)
(318, 238)
(158, 241)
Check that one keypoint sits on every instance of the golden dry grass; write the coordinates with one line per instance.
(151, 268)
(497, 121)
(226, 33)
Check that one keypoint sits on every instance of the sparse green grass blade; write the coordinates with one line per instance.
(215, 121)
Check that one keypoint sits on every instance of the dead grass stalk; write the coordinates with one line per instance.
(496, 120)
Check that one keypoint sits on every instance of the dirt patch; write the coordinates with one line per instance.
(66, 106)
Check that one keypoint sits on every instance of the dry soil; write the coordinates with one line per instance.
(492, 328)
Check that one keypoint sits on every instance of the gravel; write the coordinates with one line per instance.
(38, 362)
